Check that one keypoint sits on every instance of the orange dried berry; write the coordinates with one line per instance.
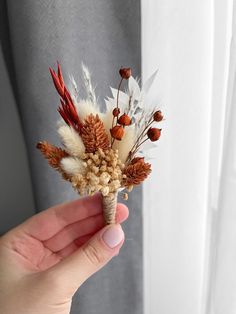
(116, 112)
(158, 116)
(154, 134)
(124, 120)
(125, 73)
(117, 132)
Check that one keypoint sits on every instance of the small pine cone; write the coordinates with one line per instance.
(52, 153)
(136, 173)
(94, 135)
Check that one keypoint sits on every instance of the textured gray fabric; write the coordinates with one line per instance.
(16, 197)
(105, 35)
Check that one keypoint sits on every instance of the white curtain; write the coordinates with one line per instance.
(189, 42)
(222, 283)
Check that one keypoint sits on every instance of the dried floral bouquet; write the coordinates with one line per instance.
(103, 152)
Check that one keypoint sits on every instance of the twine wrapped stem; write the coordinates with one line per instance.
(109, 208)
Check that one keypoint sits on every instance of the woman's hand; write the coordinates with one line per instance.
(44, 260)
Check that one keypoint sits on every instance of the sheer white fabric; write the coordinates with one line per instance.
(222, 283)
(189, 41)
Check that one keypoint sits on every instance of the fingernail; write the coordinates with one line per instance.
(113, 236)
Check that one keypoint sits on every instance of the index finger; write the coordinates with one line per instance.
(49, 222)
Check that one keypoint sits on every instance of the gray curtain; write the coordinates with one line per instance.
(105, 35)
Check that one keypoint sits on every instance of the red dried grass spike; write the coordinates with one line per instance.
(67, 110)
(57, 83)
(60, 76)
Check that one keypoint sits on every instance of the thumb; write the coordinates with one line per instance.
(88, 259)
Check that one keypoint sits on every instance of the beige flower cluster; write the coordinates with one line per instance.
(103, 172)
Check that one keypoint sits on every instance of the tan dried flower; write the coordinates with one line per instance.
(94, 135)
(103, 172)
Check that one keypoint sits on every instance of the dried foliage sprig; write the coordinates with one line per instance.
(102, 150)
(52, 153)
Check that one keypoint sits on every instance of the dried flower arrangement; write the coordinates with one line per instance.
(103, 151)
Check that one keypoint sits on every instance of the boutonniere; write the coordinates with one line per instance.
(103, 151)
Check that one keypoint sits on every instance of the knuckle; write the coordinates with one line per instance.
(94, 256)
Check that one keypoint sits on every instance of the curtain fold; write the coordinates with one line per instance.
(222, 288)
(104, 35)
(189, 217)
(177, 39)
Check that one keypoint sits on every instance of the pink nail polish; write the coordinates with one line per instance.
(113, 236)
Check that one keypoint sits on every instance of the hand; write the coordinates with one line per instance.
(44, 260)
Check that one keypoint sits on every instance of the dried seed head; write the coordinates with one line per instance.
(154, 134)
(116, 112)
(94, 134)
(158, 116)
(125, 73)
(117, 132)
(137, 159)
(124, 120)
(136, 173)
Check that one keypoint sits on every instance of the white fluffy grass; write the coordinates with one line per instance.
(72, 165)
(71, 140)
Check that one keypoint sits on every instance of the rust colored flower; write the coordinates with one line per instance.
(125, 73)
(158, 116)
(137, 159)
(94, 135)
(154, 134)
(117, 132)
(136, 173)
(124, 120)
(52, 153)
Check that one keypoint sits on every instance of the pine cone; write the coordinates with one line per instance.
(94, 135)
(52, 153)
(136, 173)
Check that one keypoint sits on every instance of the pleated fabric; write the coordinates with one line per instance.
(104, 35)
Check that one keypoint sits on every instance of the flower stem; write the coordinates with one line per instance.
(137, 144)
(117, 106)
(136, 149)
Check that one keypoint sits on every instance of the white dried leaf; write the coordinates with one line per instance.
(88, 85)
(147, 85)
(134, 89)
(123, 98)
(71, 140)
(148, 145)
(73, 166)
